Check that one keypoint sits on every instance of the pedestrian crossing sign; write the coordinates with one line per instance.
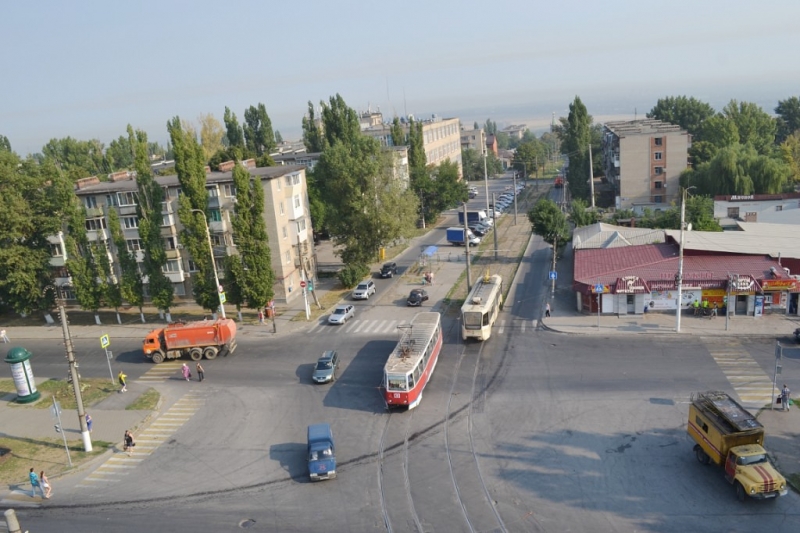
(105, 342)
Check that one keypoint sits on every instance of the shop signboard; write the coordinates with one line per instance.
(759, 308)
(777, 285)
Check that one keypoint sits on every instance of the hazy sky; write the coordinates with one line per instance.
(87, 69)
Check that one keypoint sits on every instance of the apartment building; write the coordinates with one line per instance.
(286, 215)
(473, 140)
(643, 161)
(441, 139)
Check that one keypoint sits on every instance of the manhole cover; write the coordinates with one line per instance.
(244, 524)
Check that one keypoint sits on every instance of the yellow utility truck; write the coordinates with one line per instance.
(727, 434)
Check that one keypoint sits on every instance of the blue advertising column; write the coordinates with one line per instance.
(19, 359)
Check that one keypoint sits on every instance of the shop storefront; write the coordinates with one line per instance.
(780, 296)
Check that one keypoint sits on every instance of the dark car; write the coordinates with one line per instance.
(325, 370)
(388, 270)
(478, 230)
(417, 296)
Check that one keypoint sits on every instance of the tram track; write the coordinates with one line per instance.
(395, 518)
(465, 471)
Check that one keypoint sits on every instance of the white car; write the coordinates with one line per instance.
(342, 314)
(364, 290)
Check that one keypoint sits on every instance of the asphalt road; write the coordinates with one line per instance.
(529, 431)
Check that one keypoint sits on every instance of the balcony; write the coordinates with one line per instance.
(94, 212)
(174, 277)
(173, 254)
(127, 210)
(58, 261)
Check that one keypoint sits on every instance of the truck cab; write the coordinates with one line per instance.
(321, 452)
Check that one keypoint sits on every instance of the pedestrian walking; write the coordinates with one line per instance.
(45, 485)
(714, 310)
(4, 336)
(121, 377)
(547, 310)
(261, 317)
(201, 374)
(127, 442)
(785, 392)
(35, 483)
(187, 374)
(88, 422)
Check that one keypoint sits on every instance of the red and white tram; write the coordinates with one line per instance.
(412, 361)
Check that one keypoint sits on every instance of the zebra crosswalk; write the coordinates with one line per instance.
(376, 327)
(748, 379)
(162, 371)
(119, 465)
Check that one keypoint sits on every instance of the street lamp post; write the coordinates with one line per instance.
(213, 264)
(679, 276)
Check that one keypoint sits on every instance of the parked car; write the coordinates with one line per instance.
(416, 297)
(364, 290)
(342, 314)
(388, 270)
(325, 370)
(478, 229)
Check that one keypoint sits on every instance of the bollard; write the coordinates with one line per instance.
(12, 524)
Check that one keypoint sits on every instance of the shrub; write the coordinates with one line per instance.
(351, 274)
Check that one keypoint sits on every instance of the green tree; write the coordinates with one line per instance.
(34, 200)
(397, 133)
(490, 127)
(113, 288)
(790, 152)
(441, 189)
(688, 113)
(148, 211)
(417, 160)
(312, 132)
(576, 139)
(472, 164)
(211, 134)
(505, 142)
(130, 279)
(528, 156)
(754, 125)
(248, 275)
(700, 212)
(119, 154)
(258, 134)
(549, 222)
(79, 159)
(278, 137)
(87, 280)
(717, 132)
(788, 121)
(581, 215)
(234, 133)
(5, 144)
(192, 179)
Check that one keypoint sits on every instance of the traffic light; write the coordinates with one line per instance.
(58, 428)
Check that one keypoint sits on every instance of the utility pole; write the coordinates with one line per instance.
(485, 177)
(515, 208)
(73, 370)
(553, 281)
(218, 287)
(679, 276)
(591, 175)
(494, 224)
(466, 245)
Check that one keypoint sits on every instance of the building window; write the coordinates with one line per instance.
(171, 243)
(166, 221)
(126, 198)
(659, 141)
(111, 200)
(285, 232)
(171, 266)
(56, 250)
(90, 202)
(296, 179)
(67, 293)
(280, 207)
(229, 190)
(95, 224)
(179, 289)
(133, 245)
(659, 170)
(288, 181)
(733, 212)
(778, 208)
(130, 222)
(218, 239)
(215, 215)
(658, 185)
(192, 266)
(287, 257)
(213, 192)
(657, 156)
(301, 225)
(658, 199)
(297, 201)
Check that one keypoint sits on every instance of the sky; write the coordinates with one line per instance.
(87, 69)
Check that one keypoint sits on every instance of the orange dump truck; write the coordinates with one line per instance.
(203, 338)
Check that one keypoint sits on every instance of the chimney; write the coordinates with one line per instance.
(86, 182)
(227, 166)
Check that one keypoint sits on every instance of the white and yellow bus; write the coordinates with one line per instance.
(481, 308)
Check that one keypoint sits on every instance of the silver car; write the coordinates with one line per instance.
(325, 370)
(342, 314)
(364, 290)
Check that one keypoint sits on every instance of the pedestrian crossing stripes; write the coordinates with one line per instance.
(747, 378)
(147, 442)
(161, 372)
(377, 327)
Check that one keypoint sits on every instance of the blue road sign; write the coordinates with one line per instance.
(598, 288)
(553, 274)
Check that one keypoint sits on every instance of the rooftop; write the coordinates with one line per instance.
(603, 235)
(646, 126)
(756, 238)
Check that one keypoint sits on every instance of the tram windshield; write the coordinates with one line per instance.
(472, 319)
(396, 382)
